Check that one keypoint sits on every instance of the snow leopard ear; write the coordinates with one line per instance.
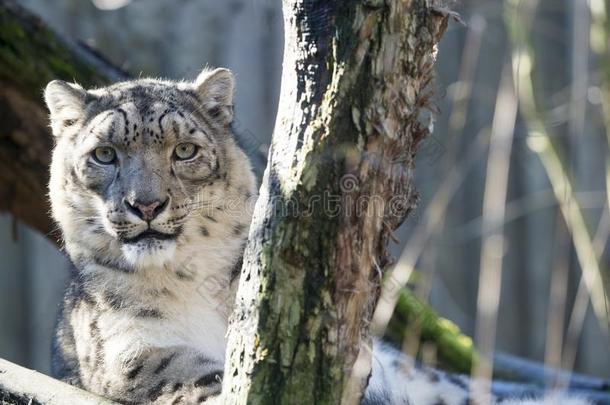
(66, 103)
(215, 89)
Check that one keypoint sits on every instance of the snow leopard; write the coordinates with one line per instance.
(154, 198)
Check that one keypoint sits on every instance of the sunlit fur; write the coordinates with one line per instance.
(397, 379)
(156, 295)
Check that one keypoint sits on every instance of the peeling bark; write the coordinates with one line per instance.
(355, 91)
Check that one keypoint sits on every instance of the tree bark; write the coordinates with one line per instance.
(31, 55)
(354, 106)
(20, 386)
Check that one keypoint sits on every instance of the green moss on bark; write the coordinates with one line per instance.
(31, 55)
(355, 78)
(455, 350)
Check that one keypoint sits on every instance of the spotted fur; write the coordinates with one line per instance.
(397, 380)
(144, 319)
(145, 315)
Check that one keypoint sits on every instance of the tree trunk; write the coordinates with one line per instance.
(355, 103)
(31, 55)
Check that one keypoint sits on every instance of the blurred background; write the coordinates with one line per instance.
(553, 229)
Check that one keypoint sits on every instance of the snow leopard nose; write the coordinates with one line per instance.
(146, 210)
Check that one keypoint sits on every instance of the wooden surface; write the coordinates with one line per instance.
(21, 386)
(355, 79)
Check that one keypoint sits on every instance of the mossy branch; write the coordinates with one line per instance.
(31, 55)
(454, 349)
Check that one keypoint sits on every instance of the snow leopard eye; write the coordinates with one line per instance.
(185, 151)
(104, 155)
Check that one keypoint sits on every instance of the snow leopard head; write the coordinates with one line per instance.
(147, 172)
